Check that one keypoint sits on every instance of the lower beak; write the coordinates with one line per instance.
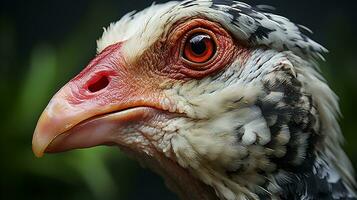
(61, 133)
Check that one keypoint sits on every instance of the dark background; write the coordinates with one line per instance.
(45, 43)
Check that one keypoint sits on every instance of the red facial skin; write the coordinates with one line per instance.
(109, 84)
(168, 57)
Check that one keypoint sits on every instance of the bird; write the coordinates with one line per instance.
(222, 99)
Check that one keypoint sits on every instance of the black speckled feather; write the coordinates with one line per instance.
(316, 180)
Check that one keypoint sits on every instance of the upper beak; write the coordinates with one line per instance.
(93, 107)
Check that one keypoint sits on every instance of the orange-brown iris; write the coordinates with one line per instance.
(199, 48)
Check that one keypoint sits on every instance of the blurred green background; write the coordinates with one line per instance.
(45, 43)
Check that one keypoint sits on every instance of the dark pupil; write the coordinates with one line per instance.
(198, 44)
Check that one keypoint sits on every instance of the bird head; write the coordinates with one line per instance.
(217, 93)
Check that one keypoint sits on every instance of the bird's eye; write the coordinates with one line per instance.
(199, 48)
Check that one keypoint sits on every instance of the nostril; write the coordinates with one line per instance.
(100, 84)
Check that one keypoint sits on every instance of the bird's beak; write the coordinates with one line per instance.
(92, 108)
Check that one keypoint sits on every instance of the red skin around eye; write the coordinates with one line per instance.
(181, 68)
